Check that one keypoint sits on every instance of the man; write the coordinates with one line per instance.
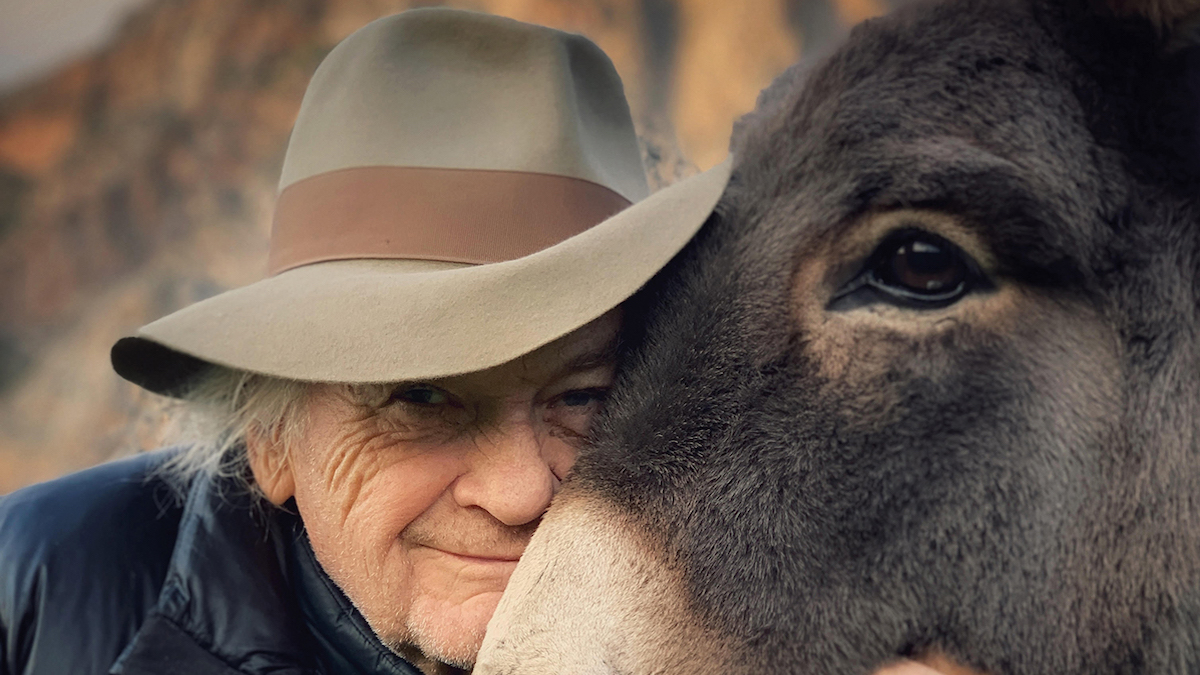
(391, 410)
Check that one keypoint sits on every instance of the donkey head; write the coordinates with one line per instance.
(928, 380)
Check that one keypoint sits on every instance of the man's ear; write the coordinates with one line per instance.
(270, 464)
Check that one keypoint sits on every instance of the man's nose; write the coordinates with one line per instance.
(508, 474)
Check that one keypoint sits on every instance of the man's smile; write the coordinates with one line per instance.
(507, 558)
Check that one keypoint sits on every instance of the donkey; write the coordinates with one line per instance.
(927, 382)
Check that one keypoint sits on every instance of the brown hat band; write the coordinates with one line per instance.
(454, 215)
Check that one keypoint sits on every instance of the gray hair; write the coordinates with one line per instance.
(219, 411)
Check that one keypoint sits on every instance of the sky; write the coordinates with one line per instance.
(38, 35)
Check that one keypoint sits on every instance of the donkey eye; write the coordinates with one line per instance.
(912, 268)
(922, 266)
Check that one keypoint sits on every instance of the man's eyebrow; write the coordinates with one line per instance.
(594, 358)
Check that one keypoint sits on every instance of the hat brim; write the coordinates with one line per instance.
(364, 321)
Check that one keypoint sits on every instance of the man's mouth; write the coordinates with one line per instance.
(482, 557)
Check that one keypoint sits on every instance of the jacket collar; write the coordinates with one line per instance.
(238, 599)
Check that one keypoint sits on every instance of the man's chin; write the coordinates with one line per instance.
(457, 650)
(451, 635)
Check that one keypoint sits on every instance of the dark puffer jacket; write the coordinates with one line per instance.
(104, 572)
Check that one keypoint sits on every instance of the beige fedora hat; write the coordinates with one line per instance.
(454, 195)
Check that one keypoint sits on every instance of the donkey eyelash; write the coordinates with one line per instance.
(913, 268)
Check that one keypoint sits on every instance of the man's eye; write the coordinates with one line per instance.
(420, 395)
(570, 413)
(583, 397)
(913, 269)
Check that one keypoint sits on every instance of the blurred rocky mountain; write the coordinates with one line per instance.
(142, 178)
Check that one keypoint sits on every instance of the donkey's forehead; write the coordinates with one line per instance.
(918, 111)
(999, 81)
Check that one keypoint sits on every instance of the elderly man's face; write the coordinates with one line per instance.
(419, 498)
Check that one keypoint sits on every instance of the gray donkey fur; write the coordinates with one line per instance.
(1011, 475)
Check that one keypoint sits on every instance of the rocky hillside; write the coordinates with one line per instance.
(142, 178)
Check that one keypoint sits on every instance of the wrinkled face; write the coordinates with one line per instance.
(899, 396)
(419, 498)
